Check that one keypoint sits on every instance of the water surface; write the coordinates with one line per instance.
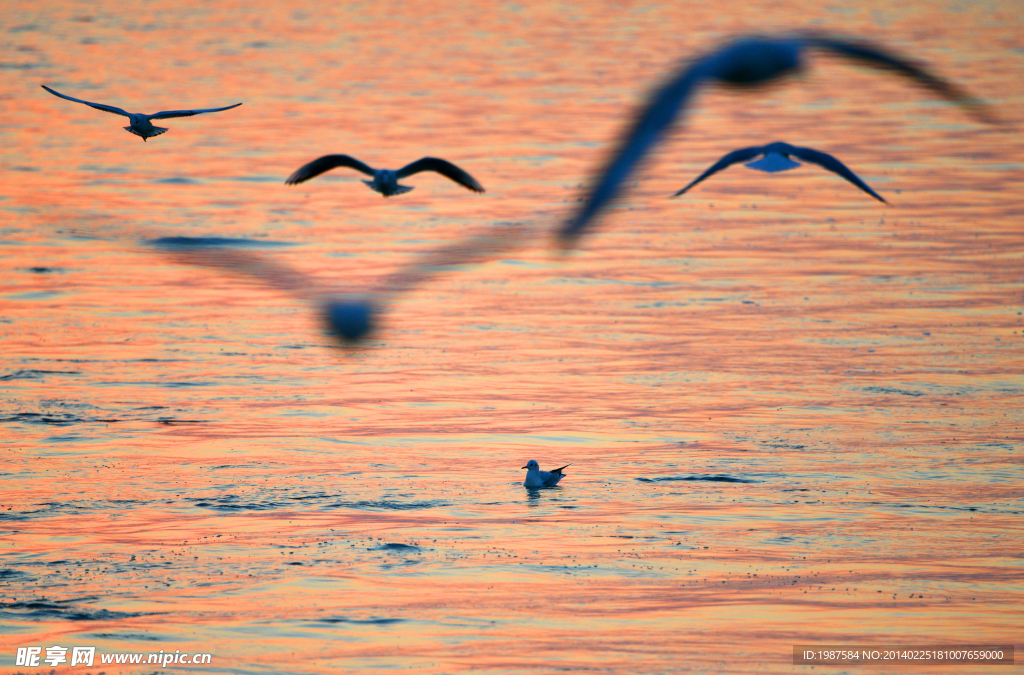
(793, 415)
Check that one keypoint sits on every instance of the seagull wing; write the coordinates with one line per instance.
(559, 470)
(248, 264)
(326, 163)
(552, 477)
(733, 157)
(832, 164)
(98, 106)
(443, 167)
(871, 55)
(660, 112)
(167, 114)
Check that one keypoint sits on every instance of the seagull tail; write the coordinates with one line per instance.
(773, 162)
(401, 189)
(156, 132)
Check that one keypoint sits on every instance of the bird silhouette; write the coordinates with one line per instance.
(140, 123)
(385, 181)
(744, 63)
(777, 158)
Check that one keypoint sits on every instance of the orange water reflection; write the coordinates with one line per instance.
(190, 465)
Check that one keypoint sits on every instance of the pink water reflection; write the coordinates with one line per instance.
(189, 464)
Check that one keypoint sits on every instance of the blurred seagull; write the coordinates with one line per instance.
(350, 315)
(385, 181)
(776, 158)
(140, 123)
(535, 478)
(744, 63)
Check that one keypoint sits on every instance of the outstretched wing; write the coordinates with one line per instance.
(661, 110)
(829, 162)
(877, 57)
(98, 106)
(326, 163)
(167, 114)
(443, 167)
(733, 157)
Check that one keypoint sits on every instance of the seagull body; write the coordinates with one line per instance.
(777, 158)
(535, 478)
(744, 63)
(140, 124)
(385, 181)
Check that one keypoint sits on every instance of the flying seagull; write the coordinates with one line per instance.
(535, 478)
(776, 158)
(353, 316)
(744, 63)
(141, 124)
(385, 181)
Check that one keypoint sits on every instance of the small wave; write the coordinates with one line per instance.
(43, 610)
(35, 374)
(227, 505)
(126, 636)
(70, 507)
(387, 505)
(39, 418)
(372, 621)
(191, 243)
(399, 548)
(713, 478)
(929, 507)
(893, 390)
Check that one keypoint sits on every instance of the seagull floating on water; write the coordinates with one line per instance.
(385, 181)
(141, 124)
(776, 158)
(744, 63)
(535, 478)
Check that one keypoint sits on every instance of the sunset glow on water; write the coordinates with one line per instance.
(792, 414)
